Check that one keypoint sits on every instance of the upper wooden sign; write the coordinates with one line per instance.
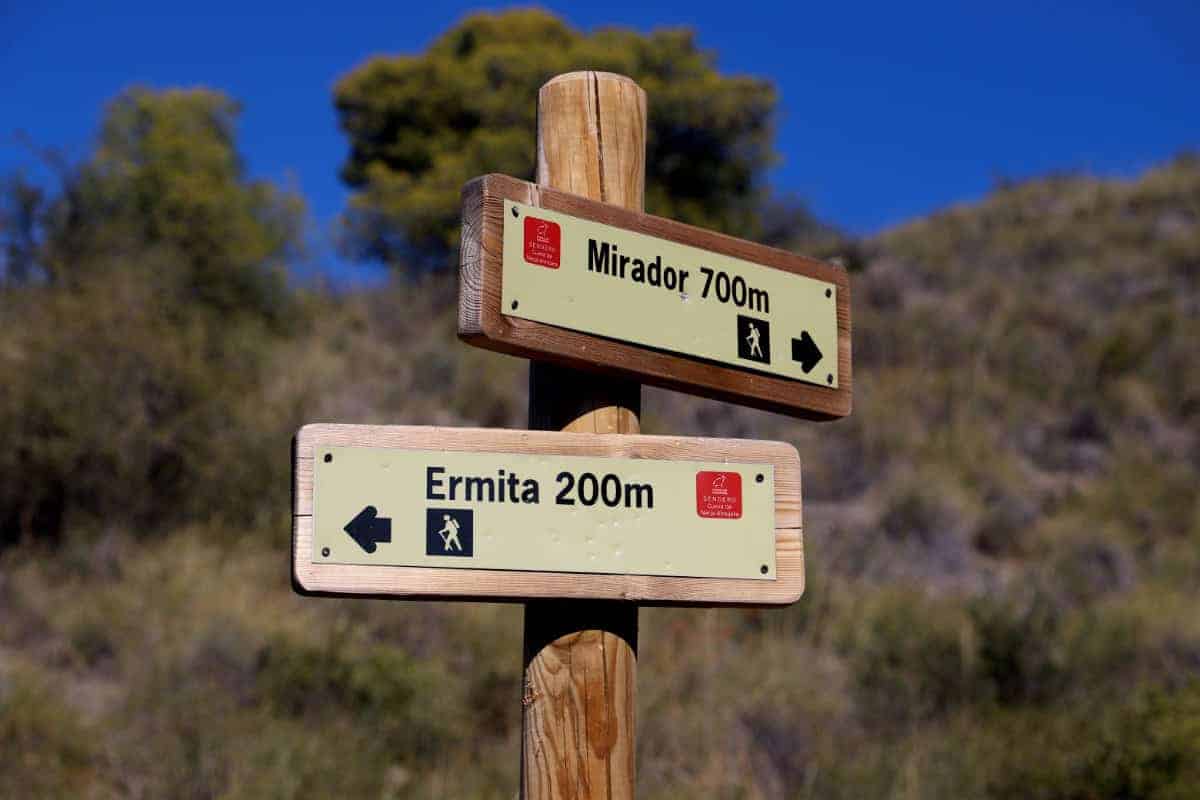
(503, 514)
(554, 276)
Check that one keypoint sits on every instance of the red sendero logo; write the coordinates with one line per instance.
(719, 495)
(543, 242)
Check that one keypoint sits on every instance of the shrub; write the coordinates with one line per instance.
(377, 684)
(912, 657)
(1021, 657)
(48, 751)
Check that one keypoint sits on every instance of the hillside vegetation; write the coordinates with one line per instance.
(1003, 540)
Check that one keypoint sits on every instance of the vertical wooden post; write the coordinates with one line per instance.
(580, 683)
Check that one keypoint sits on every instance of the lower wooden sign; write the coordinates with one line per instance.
(425, 512)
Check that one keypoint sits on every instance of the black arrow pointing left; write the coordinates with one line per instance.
(368, 529)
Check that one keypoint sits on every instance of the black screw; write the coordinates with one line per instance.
(328, 457)
(514, 305)
(764, 569)
(758, 478)
(829, 379)
(829, 292)
(515, 213)
(325, 552)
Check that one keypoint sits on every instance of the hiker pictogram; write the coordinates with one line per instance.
(449, 532)
(754, 339)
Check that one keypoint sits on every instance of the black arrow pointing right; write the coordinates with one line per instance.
(368, 529)
(805, 351)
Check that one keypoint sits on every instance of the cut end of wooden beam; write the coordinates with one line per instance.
(609, 419)
(588, 75)
(592, 137)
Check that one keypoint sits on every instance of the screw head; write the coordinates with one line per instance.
(829, 379)
(759, 478)
(328, 457)
(764, 569)
(515, 213)
(325, 552)
(514, 305)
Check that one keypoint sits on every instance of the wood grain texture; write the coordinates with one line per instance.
(483, 324)
(517, 586)
(591, 142)
(580, 700)
(580, 662)
(592, 137)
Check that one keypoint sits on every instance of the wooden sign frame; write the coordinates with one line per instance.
(483, 323)
(518, 585)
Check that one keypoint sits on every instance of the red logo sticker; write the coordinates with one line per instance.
(543, 241)
(719, 494)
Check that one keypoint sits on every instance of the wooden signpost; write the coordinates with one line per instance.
(589, 285)
(582, 518)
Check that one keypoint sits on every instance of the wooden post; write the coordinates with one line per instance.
(580, 683)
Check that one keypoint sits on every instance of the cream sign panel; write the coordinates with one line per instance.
(607, 281)
(509, 511)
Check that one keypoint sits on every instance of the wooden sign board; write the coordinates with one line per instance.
(464, 513)
(549, 275)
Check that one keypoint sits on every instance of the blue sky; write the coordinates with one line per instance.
(888, 111)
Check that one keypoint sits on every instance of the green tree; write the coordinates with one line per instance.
(420, 126)
(141, 304)
(165, 175)
(20, 204)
